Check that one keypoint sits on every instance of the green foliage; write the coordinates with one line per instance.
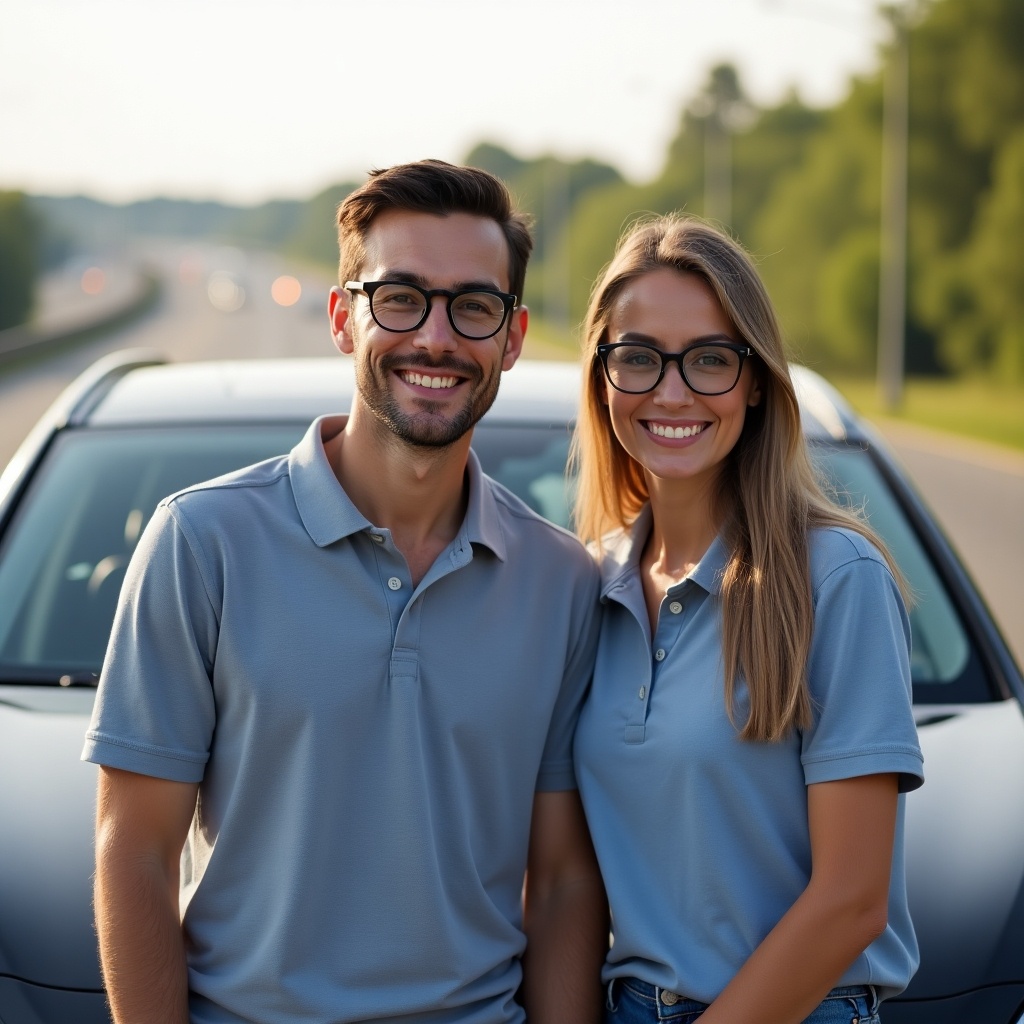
(849, 300)
(550, 190)
(993, 265)
(19, 238)
(315, 237)
(765, 147)
(968, 177)
(817, 235)
(800, 187)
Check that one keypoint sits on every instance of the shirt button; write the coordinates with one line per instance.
(395, 583)
(659, 654)
(378, 538)
(675, 607)
(643, 692)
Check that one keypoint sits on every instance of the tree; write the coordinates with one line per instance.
(19, 239)
(316, 236)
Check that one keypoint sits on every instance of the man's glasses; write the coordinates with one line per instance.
(475, 313)
(712, 368)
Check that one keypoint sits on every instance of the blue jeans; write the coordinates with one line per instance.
(635, 1002)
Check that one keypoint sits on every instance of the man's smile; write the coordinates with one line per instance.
(428, 380)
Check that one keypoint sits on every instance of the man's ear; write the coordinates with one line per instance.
(519, 318)
(339, 311)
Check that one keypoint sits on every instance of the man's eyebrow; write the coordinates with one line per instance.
(403, 277)
(408, 277)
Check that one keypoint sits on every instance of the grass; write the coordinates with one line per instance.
(986, 410)
(547, 341)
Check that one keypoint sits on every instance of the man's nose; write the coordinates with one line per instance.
(436, 333)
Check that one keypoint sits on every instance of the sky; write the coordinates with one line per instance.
(247, 100)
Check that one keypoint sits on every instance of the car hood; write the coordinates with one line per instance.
(47, 806)
(965, 840)
(965, 848)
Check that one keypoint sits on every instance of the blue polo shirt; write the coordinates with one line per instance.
(703, 837)
(367, 751)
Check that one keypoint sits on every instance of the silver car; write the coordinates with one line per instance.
(74, 501)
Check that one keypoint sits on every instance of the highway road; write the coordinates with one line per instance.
(977, 491)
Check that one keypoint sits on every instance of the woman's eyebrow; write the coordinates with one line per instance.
(639, 337)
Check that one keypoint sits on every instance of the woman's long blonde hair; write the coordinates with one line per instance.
(769, 493)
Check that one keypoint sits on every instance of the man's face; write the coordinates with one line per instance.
(429, 386)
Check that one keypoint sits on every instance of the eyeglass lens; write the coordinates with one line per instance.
(708, 369)
(401, 307)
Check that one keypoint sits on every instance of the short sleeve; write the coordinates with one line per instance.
(155, 709)
(859, 675)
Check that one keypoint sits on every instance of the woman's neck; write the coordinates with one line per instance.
(685, 520)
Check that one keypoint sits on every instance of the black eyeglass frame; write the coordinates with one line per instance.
(508, 301)
(605, 350)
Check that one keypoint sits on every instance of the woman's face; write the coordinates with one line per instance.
(673, 432)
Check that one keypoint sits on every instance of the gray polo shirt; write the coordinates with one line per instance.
(367, 751)
(703, 837)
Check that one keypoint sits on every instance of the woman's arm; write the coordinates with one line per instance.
(565, 916)
(842, 910)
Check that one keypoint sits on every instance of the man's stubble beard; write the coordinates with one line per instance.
(425, 429)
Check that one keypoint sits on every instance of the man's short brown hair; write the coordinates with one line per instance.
(432, 186)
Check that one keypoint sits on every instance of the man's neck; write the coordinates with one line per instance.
(418, 494)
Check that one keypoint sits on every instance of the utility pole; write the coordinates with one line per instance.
(892, 285)
(717, 170)
(556, 206)
(724, 111)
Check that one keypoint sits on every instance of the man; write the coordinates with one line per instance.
(349, 678)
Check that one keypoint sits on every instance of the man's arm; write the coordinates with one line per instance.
(565, 916)
(141, 827)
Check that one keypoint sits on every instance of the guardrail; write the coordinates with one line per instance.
(25, 341)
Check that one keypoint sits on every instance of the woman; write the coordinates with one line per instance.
(749, 728)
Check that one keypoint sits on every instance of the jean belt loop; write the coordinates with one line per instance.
(610, 999)
(873, 992)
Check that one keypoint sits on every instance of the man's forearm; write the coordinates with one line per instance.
(142, 950)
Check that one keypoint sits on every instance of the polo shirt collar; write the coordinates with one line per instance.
(621, 558)
(326, 510)
(482, 524)
(328, 514)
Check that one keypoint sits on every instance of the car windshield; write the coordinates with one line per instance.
(63, 557)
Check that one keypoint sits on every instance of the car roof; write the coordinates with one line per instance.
(270, 390)
(139, 389)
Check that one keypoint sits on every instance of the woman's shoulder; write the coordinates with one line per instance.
(832, 548)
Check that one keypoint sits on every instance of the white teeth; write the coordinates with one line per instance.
(428, 382)
(662, 431)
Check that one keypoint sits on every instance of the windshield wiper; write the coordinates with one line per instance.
(65, 679)
(79, 679)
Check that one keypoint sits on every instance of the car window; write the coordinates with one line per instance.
(63, 557)
(65, 552)
(530, 462)
(940, 646)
